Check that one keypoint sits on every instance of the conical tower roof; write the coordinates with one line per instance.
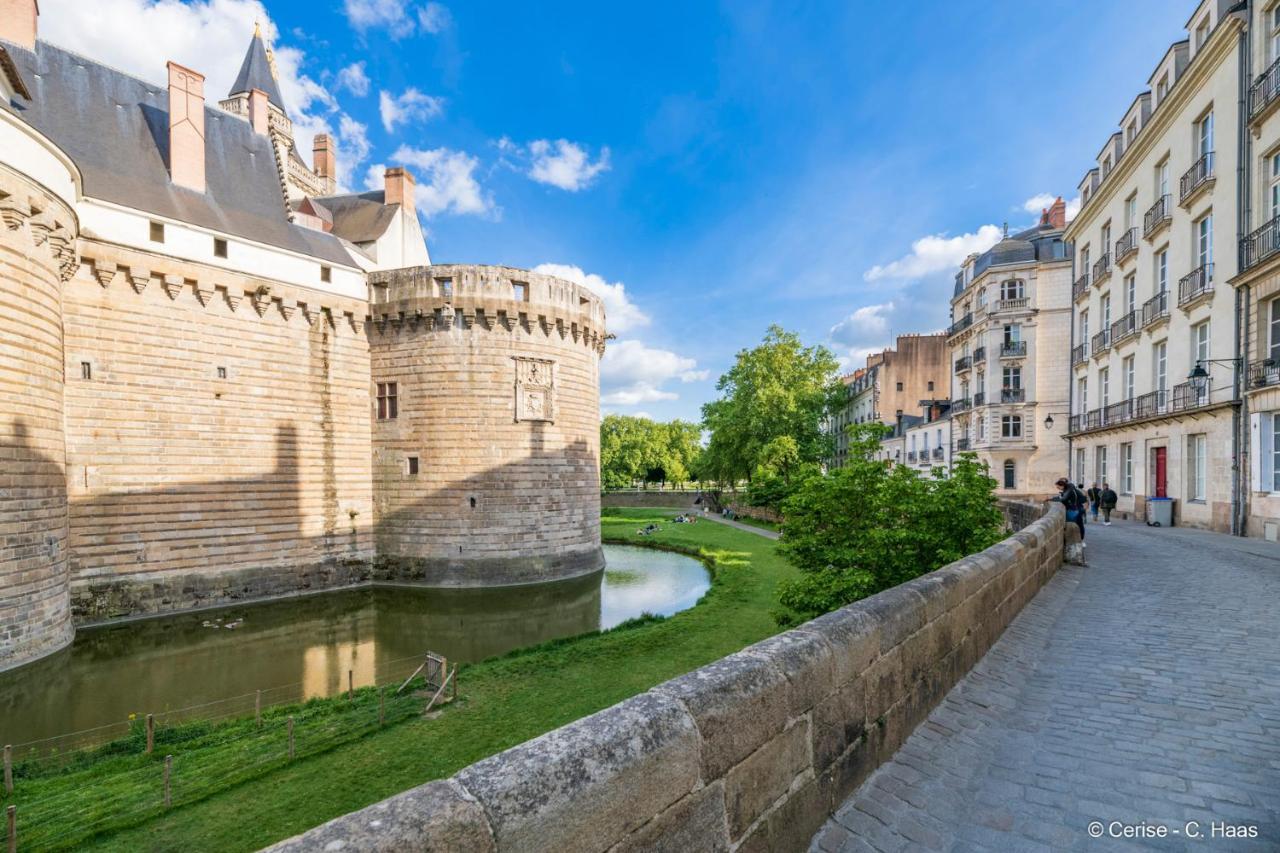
(255, 73)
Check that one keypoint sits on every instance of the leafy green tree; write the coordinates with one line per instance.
(636, 449)
(871, 525)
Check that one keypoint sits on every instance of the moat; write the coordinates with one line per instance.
(305, 647)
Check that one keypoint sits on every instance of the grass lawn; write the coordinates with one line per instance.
(502, 702)
(758, 522)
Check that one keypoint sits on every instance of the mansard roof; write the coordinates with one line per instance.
(359, 217)
(10, 71)
(255, 73)
(116, 129)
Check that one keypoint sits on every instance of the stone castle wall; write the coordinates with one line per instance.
(752, 752)
(218, 439)
(497, 390)
(37, 236)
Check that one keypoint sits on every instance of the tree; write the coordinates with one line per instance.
(780, 389)
(636, 449)
(871, 525)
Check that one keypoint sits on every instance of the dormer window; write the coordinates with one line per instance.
(1131, 132)
(1202, 33)
(1106, 165)
(1162, 88)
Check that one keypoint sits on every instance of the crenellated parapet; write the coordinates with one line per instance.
(490, 298)
(44, 220)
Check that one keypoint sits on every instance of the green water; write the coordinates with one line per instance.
(306, 647)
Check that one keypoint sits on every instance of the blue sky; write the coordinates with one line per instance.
(710, 168)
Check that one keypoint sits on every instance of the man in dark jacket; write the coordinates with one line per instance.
(1073, 500)
(1107, 497)
(1094, 494)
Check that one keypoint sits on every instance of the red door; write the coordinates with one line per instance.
(1162, 471)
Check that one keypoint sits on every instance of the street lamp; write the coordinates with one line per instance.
(1048, 419)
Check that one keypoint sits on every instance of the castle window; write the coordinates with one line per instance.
(520, 290)
(157, 232)
(1010, 473)
(326, 273)
(86, 370)
(219, 247)
(222, 373)
(388, 404)
(899, 386)
(446, 287)
(412, 467)
(930, 386)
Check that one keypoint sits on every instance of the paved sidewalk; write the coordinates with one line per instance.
(750, 528)
(1144, 688)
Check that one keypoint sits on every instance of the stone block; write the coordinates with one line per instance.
(940, 591)
(437, 816)
(854, 636)
(753, 785)
(696, 822)
(805, 660)
(900, 612)
(587, 785)
(884, 684)
(738, 702)
(838, 721)
(794, 823)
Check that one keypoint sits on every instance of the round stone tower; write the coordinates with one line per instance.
(486, 398)
(37, 254)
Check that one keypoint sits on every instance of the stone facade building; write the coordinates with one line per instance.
(200, 345)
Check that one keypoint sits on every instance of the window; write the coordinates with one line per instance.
(326, 273)
(1204, 135)
(157, 232)
(1162, 179)
(411, 465)
(219, 247)
(1104, 385)
(1273, 22)
(1204, 240)
(1130, 132)
(1106, 238)
(1100, 464)
(1084, 259)
(1161, 377)
(1105, 305)
(520, 291)
(1084, 326)
(1197, 466)
(1126, 370)
(1106, 170)
(982, 428)
(1012, 334)
(1011, 426)
(86, 370)
(1202, 32)
(1162, 271)
(924, 441)
(1011, 289)
(1274, 325)
(1162, 88)
(899, 386)
(982, 298)
(1079, 465)
(1082, 395)
(1199, 343)
(1012, 377)
(222, 373)
(1130, 292)
(1273, 176)
(1010, 473)
(388, 401)
(1126, 469)
(931, 386)
(1131, 212)
(939, 437)
(446, 287)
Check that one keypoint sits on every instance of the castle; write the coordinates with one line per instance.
(221, 380)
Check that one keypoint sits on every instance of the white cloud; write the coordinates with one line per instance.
(433, 18)
(399, 18)
(936, 253)
(1038, 202)
(354, 79)
(410, 106)
(446, 181)
(561, 163)
(621, 314)
(632, 373)
(1073, 207)
(869, 321)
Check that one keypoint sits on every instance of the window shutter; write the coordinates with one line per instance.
(1258, 435)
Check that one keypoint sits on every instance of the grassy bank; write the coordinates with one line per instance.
(503, 702)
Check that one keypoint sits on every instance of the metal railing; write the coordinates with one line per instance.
(1200, 173)
(1151, 404)
(980, 399)
(960, 405)
(1013, 349)
(1102, 268)
(1264, 90)
(979, 355)
(1190, 395)
(1093, 419)
(1155, 309)
(1080, 285)
(963, 364)
(1124, 327)
(1075, 423)
(1118, 413)
(911, 456)
(1101, 342)
(1013, 395)
(1195, 284)
(960, 325)
(962, 444)
(1157, 215)
(1260, 244)
(938, 453)
(1263, 373)
(1080, 353)
(1127, 244)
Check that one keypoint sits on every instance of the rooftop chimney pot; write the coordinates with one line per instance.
(324, 157)
(398, 186)
(18, 22)
(258, 111)
(186, 127)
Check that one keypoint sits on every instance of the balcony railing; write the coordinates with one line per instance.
(962, 444)
(1093, 420)
(1195, 284)
(959, 405)
(979, 355)
(938, 453)
(1157, 216)
(1101, 268)
(1101, 342)
(1075, 423)
(980, 399)
(1126, 245)
(1155, 309)
(1013, 395)
(1124, 327)
(1196, 178)
(1013, 349)
(911, 456)
(1263, 373)
(1264, 90)
(1260, 245)
(963, 364)
(1080, 285)
(1019, 304)
(960, 325)
(1080, 354)
(1118, 413)
(1190, 395)
(1151, 404)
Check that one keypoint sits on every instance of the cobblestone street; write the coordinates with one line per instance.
(1143, 688)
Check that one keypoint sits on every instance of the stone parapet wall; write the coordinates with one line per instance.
(653, 499)
(751, 752)
(37, 239)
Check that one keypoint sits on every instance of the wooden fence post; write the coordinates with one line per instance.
(257, 709)
(454, 687)
(291, 737)
(382, 706)
(351, 685)
(168, 767)
(151, 732)
(8, 769)
(12, 813)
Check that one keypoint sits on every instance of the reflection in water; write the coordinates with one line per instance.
(304, 647)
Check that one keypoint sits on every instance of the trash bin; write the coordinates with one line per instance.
(1160, 512)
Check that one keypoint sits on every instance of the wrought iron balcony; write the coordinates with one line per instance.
(960, 325)
(1157, 216)
(1125, 327)
(1101, 342)
(1190, 395)
(1264, 90)
(1013, 349)
(979, 355)
(1093, 420)
(1195, 284)
(1102, 268)
(964, 363)
(1126, 245)
(1152, 404)
(938, 453)
(1012, 304)
(1080, 354)
(1155, 309)
(1118, 413)
(1080, 286)
(1263, 373)
(1260, 245)
(962, 444)
(1075, 423)
(980, 399)
(911, 456)
(1013, 395)
(960, 405)
(1198, 177)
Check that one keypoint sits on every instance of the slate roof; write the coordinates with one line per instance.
(116, 129)
(255, 73)
(359, 217)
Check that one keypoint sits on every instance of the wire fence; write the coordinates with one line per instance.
(62, 790)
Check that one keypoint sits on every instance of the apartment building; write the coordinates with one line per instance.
(927, 437)
(1011, 312)
(1155, 380)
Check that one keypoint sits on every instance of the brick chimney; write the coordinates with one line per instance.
(186, 127)
(399, 187)
(1057, 213)
(18, 22)
(258, 111)
(324, 156)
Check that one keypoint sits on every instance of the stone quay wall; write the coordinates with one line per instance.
(488, 474)
(37, 237)
(652, 499)
(752, 752)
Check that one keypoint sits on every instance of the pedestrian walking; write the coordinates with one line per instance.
(1094, 494)
(1107, 497)
(1073, 500)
